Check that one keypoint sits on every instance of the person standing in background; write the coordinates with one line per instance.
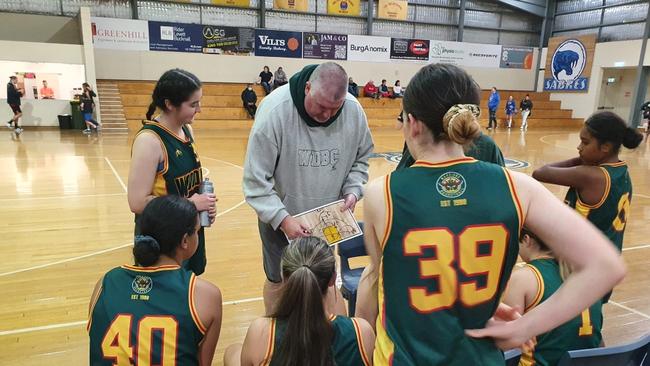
(526, 107)
(87, 107)
(46, 92)
(511, 109)
(13, 99)
(493, 104)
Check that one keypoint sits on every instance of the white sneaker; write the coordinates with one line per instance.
(18, 130)
(10, 125)
(87, 131)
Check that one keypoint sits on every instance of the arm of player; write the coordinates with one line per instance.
(256, 343)
(258, 183)
(598, 267)
(374, 215)
(358, 174)
(147, 153)
(93, 300)
(367, 341)
(208, 303)
(590, 181)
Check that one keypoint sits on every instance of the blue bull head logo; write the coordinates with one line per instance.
(565, 60)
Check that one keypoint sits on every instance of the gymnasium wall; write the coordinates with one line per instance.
(149, 65)
(607, 55)
(39, 28)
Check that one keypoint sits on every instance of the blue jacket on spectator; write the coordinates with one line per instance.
(510, 107)
(494, 100)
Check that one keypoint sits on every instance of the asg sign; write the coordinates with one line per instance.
(567, 66)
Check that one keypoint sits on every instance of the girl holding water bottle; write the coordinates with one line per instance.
(164, 159)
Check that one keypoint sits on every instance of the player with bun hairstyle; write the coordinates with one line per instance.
(443, 236)
(156, 310)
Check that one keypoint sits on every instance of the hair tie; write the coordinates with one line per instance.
(147, 240)
(457, 109)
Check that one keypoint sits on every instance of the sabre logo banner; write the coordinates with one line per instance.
(409, 49)
(278, 43)
(368, 48)
(567, 65)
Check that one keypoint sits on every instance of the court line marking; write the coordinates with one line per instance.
(84, 322)
(115, 173)
(65, 196)
(640, 195)
(630, 309)
(65, 260)
(223, 161)
(637, 247)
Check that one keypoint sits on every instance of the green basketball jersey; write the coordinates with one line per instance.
(610, 214)
(450, 244)
(484, 149)
(179, 174)
(347, 345)
(581, 332)
(145, 316)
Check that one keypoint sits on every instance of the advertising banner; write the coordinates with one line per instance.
(465, 54)
(409, 49)
(175, 37)
(325, 46)
(236, 3)
(368, 48)
(278, 43)
(393, 9)
(343, 7)
(228, 40)
(568, 64)
(291, 5)
(120, 34)
(516, 58)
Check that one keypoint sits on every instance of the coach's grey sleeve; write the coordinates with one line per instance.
(258, 183)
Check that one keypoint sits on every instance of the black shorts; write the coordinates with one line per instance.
(15, 108)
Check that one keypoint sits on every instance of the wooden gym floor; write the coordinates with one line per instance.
(65, 221)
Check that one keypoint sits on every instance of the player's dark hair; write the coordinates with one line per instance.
(609, 127)
(308, 267)
(540, 243)
(163, 224)
(433, 91)
(175, 85)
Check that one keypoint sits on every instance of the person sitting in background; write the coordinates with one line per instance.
(397, 90)
(370, 90)
(280, 78)
(46, 92)
(645, 110)
(249, 98)
(533, 284)
(302, 330)
(383, 89)
(353, 88)
(265, 78)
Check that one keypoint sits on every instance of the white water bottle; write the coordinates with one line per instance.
(205, 187)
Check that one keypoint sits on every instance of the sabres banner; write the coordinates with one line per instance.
(343, 7)
(292, 5)
(393, 9)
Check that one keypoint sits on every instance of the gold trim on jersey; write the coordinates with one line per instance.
(362, 351)
(615, 165)
(195, 314)
(269, 349)
(442, 164)
(515, 199)
(92, 308)
(584, 208)
(527, 358)
(166, 267)
(389, 213)
(163, 148)
(384, 346)
(540, 288)
(187, 138)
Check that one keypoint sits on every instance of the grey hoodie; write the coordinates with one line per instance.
(291, 167)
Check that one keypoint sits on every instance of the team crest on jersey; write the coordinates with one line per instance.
(179, 153)
(142, 284)
(451, 185)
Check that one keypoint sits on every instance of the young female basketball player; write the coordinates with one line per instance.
(156, 312)
(535, 283)
(164, 159)
(300, 331)
(443, 235)
(600, 185)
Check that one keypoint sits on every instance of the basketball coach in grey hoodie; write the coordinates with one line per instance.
(309, 146)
